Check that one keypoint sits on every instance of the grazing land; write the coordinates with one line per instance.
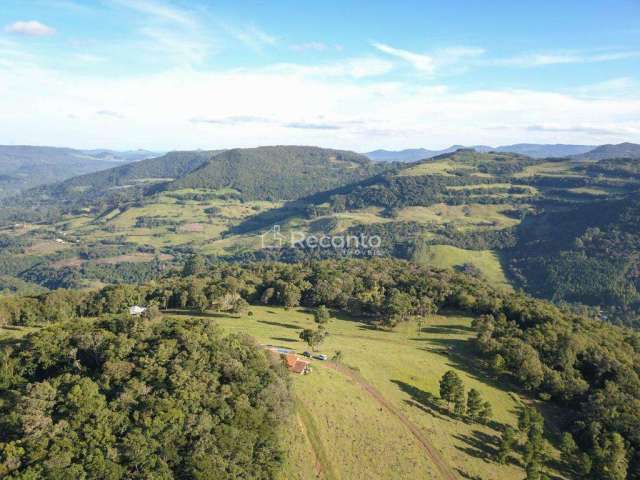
(344, 430)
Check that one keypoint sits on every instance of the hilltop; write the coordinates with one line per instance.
(279, 172)
(604, 152)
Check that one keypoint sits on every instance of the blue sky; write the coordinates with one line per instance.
(164, 74)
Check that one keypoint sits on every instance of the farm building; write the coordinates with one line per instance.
(137, 310)
(295, 364)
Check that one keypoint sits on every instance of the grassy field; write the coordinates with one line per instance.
(464, 217)
(341, 431)
(445, 256)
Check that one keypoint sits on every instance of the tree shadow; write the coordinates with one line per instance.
(195, 313)
(280, 324)
(467, 476)
(446, 329)
(425, 401)
(462, 355)
(284, 339)
(479, 445)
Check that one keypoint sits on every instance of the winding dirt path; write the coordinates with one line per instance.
(432, 453)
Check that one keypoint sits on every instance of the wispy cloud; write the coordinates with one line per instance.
(436, 61)
(110, 113)
(563, 57)
(313, 126)
(159, 10)
(251, 36)
(232, 120)
(310, 46)
(421, 62)
(31, 28)
(180, 48)
(360, 67)
(580, 129)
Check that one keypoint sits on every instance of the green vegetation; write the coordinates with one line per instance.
(518, 221)
(141, 399)
(586, 366)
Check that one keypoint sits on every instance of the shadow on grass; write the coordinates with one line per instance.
(446, 329)
(425, 401)
(468, 476)
(284, 339)
(479, 445)
(281, 324)
(462, 355)
(195, 313)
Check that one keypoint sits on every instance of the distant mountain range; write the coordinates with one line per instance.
(23, 167)
(604, 152)
(530, 149)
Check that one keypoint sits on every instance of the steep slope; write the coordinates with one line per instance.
(587, 253)
(279, 172)
(23, 167)
(604, 152)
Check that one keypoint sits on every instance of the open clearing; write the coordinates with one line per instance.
(447, 256)
(345, 430)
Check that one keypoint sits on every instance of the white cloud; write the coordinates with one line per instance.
(31, 28)
(423, 63)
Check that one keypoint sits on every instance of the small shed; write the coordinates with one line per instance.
(137, 310)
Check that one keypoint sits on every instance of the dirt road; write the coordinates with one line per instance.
(432, 453)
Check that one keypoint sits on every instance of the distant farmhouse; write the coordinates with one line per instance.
(137, 310)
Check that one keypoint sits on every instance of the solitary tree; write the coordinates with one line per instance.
(474, 404)
(313, 337)
(321, 315)
(507, 442)
(452, 390)
(486, 413)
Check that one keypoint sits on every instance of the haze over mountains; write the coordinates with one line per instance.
(533, 150)
(23, 167)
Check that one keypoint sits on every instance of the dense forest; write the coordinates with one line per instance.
(137, 398)
(587, 366)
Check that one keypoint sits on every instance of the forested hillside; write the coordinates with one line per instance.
(588, 254)
(279, 173)
(580, 363)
